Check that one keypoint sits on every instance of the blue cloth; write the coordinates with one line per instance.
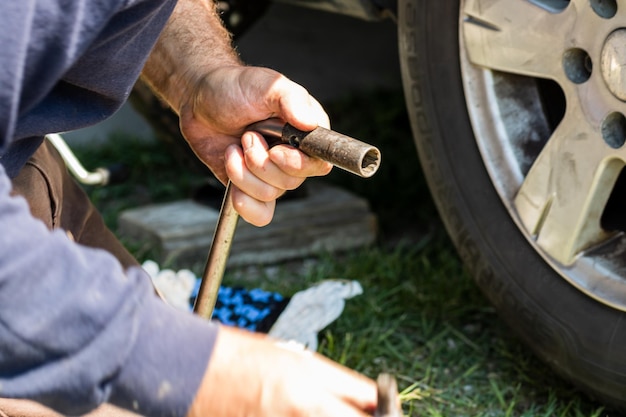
(75, 329)
(253, 309)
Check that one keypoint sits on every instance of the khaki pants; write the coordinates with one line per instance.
(56, 199)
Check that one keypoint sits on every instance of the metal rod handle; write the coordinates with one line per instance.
(340, 150)
(218, 257)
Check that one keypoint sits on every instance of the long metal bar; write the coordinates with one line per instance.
(218, 257)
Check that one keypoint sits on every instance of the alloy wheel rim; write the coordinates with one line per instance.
(555, 177)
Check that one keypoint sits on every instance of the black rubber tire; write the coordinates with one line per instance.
(581, 339)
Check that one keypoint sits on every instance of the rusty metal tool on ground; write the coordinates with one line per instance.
(388, 402)
(340, 150)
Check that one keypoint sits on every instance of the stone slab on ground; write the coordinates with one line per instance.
(327, 220)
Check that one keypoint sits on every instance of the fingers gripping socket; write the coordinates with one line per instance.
(340, 150)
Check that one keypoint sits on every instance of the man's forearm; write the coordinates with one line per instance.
(193, 42)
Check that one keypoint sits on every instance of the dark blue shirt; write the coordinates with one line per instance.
(75, 329)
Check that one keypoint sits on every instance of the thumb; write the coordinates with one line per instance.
(297, 107)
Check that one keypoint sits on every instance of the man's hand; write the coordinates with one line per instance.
(249, 375)
(214, 120)
(194, 68)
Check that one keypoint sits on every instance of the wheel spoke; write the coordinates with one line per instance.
(563, 196)
(517, 37)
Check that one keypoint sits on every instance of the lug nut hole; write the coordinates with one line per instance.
(614, 130)
(577, 65)
(604, 8)
(553, 6)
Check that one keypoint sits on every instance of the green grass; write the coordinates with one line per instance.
(420, 317)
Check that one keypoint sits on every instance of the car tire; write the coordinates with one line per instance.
(579, 336)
